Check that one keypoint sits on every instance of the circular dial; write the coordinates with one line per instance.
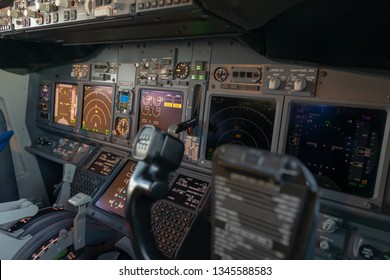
(329, 225)
(122, 127)
(220, 74)
(274, 83)
(182, 70)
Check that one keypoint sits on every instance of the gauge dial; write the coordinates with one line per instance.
(122, 127)
(182, 70)
(220, 74)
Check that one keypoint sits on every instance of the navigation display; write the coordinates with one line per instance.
(114, 198)
(240, 121)
(65, 104)
(160, 108)
(340, 145)
(188, 191)
(97, 107)
(105, 163)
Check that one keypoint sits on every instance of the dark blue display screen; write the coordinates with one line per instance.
(241, 121)
(340, 145)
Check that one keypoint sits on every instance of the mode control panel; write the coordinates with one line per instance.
(289, 80)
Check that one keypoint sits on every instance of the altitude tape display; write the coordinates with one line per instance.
(65, 104)
(340, 145)
(240, 121)
(97, 106)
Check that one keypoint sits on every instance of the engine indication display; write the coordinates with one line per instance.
(240, 121)
(340, 145)
(114, 198)
(65, 104)
(160, 108)
(97, 106)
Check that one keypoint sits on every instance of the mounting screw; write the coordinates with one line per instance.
(323, 74)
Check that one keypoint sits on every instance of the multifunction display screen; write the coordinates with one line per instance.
(65, 104)
(114, 198)
(240, 121)
(160, 108)
(188, 191)
(340, 145)
(105, 163)
(97, 108)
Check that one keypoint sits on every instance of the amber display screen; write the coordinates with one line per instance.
(114, 198)
(65, 104)
(97, 108)
(160, 108)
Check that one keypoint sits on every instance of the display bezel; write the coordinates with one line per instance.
(106, 189)
(138, 99)
(89, 133)
(203, 161)
(53, 101)
(373, 203)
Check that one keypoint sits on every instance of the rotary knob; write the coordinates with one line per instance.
(13, 13)
(43, 7)
(274, 83)
(73, 74)
(329, 225)
(324, 245)
(299, 84)
(30, 13)
(62, 3)
(82, 74)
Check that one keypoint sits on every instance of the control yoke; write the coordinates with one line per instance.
(159, 154)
